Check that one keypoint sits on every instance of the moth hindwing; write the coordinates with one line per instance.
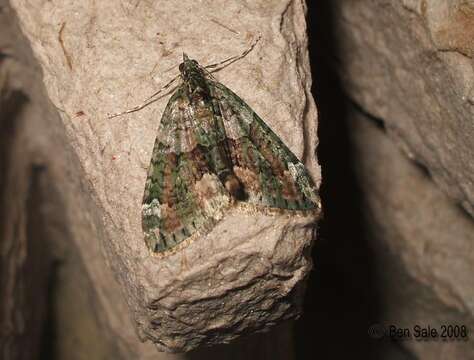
(213, 151)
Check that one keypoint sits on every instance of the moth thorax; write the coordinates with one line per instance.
(198, 94)
(198, 88)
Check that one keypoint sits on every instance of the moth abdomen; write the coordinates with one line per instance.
(235, 187)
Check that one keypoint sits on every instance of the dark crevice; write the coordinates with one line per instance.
(422, 167)
(11, 105)
(12, 280)
(49, 335)
(380, 123)
(342, 301)
(37, 267)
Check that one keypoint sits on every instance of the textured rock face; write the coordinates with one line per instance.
(409, 63)
(59, 299)
(422, 242)
(103, 57)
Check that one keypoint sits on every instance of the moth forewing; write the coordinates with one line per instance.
(214, 152)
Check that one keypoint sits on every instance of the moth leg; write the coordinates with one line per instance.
(232, 59)
(148, 100)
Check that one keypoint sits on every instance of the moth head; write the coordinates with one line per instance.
(189, 68)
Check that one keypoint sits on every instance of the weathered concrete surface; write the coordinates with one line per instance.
(102, 57)
(410, 64)
(422, 243)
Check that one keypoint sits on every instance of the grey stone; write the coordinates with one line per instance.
(422, 243)
(410, 64)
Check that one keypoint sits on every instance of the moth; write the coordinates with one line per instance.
(213, 152)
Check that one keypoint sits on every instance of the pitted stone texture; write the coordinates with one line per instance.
(101, 57)
(229, 284)
(409, 63)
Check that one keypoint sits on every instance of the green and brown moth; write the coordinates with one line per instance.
(213, 152)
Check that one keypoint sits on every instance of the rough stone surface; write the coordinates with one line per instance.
(422, 243)
(410, 63)
(102, 57)
(405, 65)
(59, 299)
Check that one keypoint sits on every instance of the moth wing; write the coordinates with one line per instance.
(270, 173)
(182, 197)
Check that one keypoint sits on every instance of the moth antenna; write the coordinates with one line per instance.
(225, 27)
(147, 101)
(233, 59)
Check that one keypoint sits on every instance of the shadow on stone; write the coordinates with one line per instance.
(341, 302)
